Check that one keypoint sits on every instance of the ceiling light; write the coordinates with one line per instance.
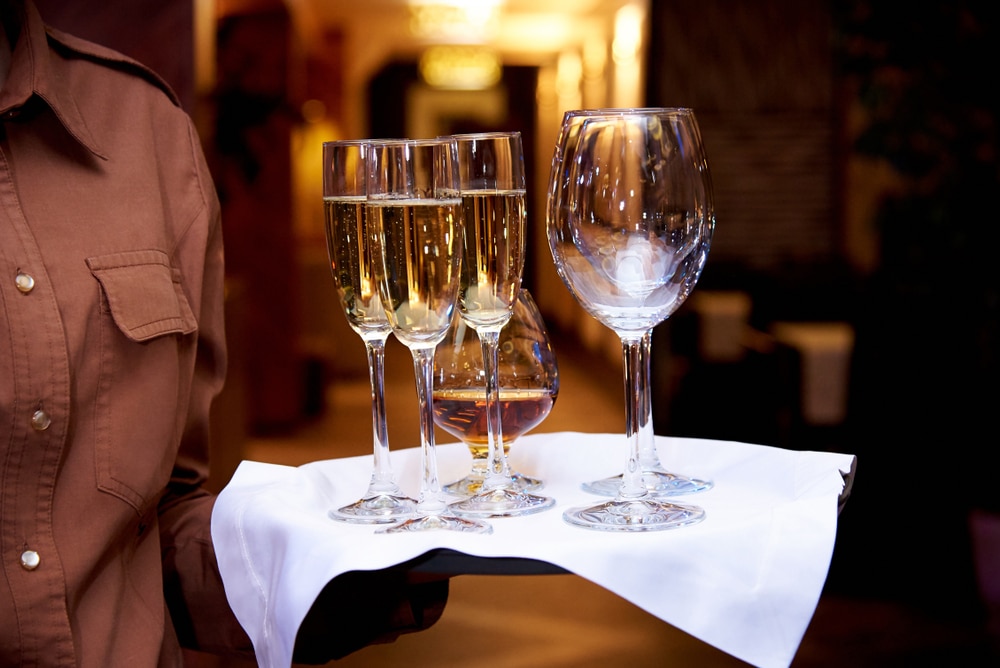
(460, 67)
(454, 21)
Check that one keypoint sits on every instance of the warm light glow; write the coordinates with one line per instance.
(307, 178)
(628, 34)
(460, 67)
(454, 21)
(542, 33)
(569, 72)
(626, 49)
(205, 22)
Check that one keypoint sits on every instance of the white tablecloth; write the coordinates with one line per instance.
(747, 579)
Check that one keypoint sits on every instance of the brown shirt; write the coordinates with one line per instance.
(111, 351)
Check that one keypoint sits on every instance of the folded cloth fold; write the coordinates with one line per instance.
(747, 579)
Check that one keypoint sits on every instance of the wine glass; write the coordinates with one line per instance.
(528, 388)
(656, 477)
(658, 480)
(349, 247)
(414, 204)
(491, 167)
(630, 221)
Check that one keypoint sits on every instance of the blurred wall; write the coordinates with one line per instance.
(854, 152)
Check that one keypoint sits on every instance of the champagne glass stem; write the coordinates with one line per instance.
(431, 501)
(498, 473)
(382, 481)
(632, 486)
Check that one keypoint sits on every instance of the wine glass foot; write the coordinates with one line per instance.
(472, 484)
(439, 523)
(658, 483)
(634, 515)
(378, 509)
(501, 502)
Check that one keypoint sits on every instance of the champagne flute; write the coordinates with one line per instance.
(491, 167)
(528, 381)
(630, 224)
(414, 204)
(349, 247)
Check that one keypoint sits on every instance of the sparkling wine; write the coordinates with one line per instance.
(419, 244)
(349, 241)
(494, 254)
(462, 413)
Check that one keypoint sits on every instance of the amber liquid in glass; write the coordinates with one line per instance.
(462, 413)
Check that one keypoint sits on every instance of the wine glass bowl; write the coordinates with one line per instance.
(630, 221)
(630, 235)
(528, 388)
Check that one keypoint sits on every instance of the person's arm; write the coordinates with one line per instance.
(192, 584)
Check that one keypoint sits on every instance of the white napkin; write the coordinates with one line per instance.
(747, 579)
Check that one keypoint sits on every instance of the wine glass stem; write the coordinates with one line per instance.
(431, 501)
(382, 481)
(497, 473)
(632, 485)
(648, 458)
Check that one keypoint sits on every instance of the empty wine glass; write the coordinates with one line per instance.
(414, 204)
(528, 388)
(349, 246)
(491, 167)
(630, 222)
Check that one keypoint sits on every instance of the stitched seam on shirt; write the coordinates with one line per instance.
(171, 318)
(129, 265)
(198, 177)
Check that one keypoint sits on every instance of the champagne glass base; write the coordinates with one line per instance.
(658, 483)
(378, 509)
(501, 502)
(439, 523)
(473, 484)
(634, 515)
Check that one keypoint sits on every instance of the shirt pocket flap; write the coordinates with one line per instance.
(144, 294)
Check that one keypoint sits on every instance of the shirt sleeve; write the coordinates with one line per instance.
(193, 586)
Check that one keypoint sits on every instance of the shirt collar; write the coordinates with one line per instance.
(35, 70)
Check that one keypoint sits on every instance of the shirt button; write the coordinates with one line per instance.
(30, 560)
(24, 282)
(40, 421)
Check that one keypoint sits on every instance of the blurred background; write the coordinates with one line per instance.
(850, 300)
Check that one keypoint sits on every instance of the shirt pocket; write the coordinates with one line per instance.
(144, 294)
(145, 368)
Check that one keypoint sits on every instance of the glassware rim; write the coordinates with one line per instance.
(345, 142)
(374, 140)
(430, 141)
(629, 111)
(499, 134)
